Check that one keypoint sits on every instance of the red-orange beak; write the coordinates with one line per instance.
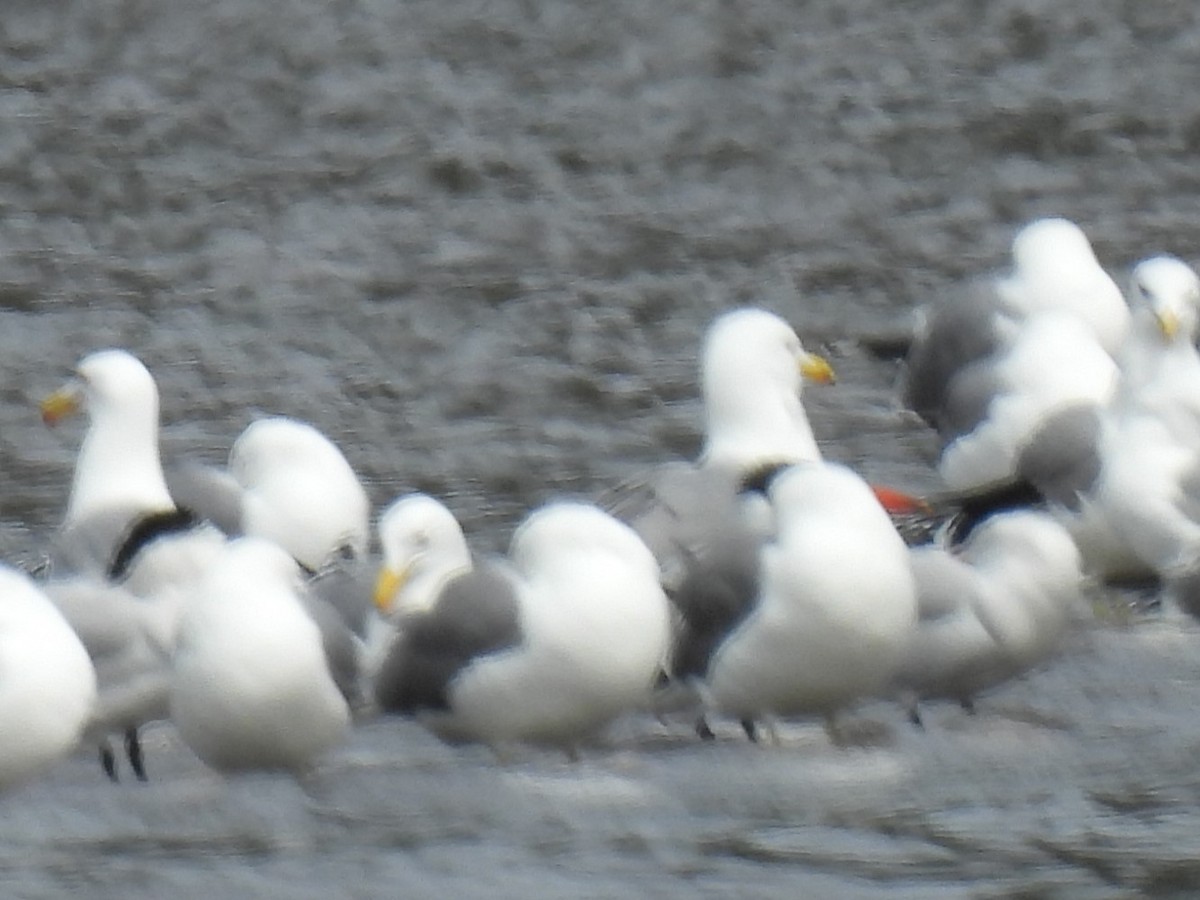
(898, 503)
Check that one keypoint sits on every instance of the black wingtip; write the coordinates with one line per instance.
(976, 507)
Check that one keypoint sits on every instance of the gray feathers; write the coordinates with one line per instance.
(476, 614)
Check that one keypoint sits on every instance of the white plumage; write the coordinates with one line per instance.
(586, 620)
(299, 491)
(836, 606)
(251, 686)
(1055, 268)
(752, 372)
(118, 465)
(127, 559)
(991, 610)
(988, 367)
(47, 684)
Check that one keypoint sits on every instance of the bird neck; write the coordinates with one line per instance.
(119, 465)
(758, 427)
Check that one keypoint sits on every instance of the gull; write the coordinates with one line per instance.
(545, 647)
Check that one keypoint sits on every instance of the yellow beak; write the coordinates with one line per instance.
(1168, 323)
(816, 368)
(387, 586)
(64, 402)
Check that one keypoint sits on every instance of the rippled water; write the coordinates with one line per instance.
(477, 244)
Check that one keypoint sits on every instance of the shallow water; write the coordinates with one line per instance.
(477, 245)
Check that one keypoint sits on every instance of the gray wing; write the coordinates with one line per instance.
(958, 331)
(1062, 458)
(707, 544)
(952, 651)
(91, 544)
(209, 492)
(342, 648)
(102, 615)
(129, 642)
(944, 583)
(347, 587)
(476, 614)
(967, 399)
(1188, 494)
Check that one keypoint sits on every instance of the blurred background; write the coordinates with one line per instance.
(477, 243)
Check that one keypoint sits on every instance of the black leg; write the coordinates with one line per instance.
(751, 730)
(968, 705)
(703, 730)
(914, 716)
(108, 761)
(133, 749)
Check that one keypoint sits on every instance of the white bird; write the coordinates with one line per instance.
(951, 376)
(991, 609)
(300, 491)
(1053, 363)
(47, 684)
(547, 647)
(1148, 495)
(707, 521)
(123, 535)
(1053, 413)
(121, 520)
(702, 528)
(1117, 474)
(252, 686)
(289, 483)
(835, 606)
(1160, 365)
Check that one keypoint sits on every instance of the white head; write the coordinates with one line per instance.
(118, 463)
(278, 441)
(300, 491)
(752, 370)
(423, 545)
(109, 384)
(562, 529)
(1056, 268)
(1045, 247)
(1170, 290)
